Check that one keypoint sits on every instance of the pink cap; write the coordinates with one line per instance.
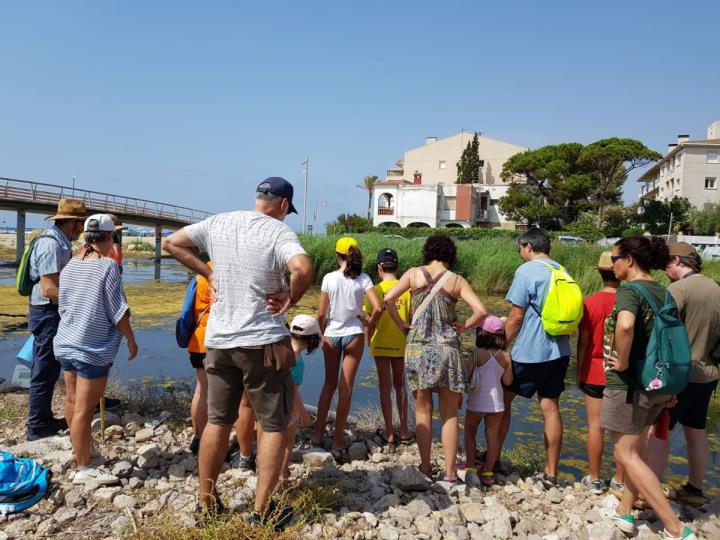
(493, 325)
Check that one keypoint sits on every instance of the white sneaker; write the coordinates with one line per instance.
(91, 474)
(686, 534)
(597, 486)
(626, 522)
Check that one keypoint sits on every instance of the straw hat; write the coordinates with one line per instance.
(69, 209)
(605, 261)
(118, 224)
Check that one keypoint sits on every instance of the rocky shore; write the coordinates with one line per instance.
(379, 494)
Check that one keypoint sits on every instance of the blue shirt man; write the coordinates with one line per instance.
(50, 255)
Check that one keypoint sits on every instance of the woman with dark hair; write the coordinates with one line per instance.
(94, 315)
(433, 361)
(627, 411)
(341, 322)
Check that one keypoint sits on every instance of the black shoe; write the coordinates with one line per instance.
(278, 518)
(110, 404)
(234, 449)
(55, 425)
(247, 463)
(204, 514)
(195, 445)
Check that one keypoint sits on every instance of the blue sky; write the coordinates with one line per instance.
(194, 105)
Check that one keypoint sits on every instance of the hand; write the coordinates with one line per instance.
(132, 349)
(459, 327)
(671, 402)
(614, 363)
(212, 282)
(279, 302)
(406, 328)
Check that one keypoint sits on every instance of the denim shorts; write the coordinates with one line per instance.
(85, 370)
(341, 342)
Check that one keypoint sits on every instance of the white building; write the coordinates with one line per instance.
(689, 169)
(421, 189)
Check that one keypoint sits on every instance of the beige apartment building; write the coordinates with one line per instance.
(420, 190)
(690, 168)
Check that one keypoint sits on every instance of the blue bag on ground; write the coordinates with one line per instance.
(23, 483)
(25, 354)
(185, 325)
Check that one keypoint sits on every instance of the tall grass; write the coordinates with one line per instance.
(489, 264)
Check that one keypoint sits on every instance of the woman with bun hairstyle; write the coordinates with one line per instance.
(628, 412)
(341, 320)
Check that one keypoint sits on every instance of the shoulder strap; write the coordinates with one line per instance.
(426, 302)
(552, 269)
(645, 295)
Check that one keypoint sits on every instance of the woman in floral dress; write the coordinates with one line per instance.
(433, 358)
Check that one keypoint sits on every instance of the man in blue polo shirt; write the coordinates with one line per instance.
(539, 360)
(51, 252)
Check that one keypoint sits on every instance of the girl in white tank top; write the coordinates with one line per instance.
(493, 368)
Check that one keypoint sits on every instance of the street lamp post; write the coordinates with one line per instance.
(306, 164)
(318, 204)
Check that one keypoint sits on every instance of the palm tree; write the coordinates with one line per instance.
(368, 184)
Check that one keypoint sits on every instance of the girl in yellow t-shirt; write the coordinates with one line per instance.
(387, 345)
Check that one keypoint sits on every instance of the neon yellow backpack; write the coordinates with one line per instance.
(563, 306)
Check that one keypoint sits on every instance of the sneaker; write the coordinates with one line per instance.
(278, 518)
(247, 463)
(91, 474)
(687, 534)
(547, 481)
(616, 488)
(232, 451)
(195, 445)
(597, 486)
(54, 426)
(625, 522)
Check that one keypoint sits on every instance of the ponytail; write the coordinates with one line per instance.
(353, 262)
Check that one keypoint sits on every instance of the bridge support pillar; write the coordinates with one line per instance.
(20, 235)
(158, 250)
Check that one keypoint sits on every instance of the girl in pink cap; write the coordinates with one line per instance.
(492, 369)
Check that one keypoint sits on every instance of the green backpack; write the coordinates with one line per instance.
(668, 358)
(23, 283)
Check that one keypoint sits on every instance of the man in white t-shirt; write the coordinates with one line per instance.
(250, 251)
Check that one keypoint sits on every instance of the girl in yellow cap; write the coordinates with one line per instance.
(342, 294)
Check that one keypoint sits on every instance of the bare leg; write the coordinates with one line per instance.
(596, 433)
(472, 422)
(350, 364)
(423, 426)
(271, 449)
(245, 426)
(506, 417)
(450, 429)
(658, 454)
(382, 364)
(492, 439)
(398, 375)
(640, 479)
(213, 447)
(553, 433)
(70, 384)
(698, 453)
(332, 366)
(305, 419)
(87, 395)
(198, 407)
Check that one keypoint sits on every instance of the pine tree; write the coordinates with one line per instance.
(468, 168)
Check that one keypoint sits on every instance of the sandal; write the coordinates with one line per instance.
(451, 479)
(407, 442)
(547, 481)
(487, 478)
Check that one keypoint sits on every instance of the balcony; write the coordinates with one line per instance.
(385, 211)
(649, 189)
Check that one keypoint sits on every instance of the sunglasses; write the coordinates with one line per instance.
(616, 258)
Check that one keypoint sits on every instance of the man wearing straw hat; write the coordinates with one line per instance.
(51, 252)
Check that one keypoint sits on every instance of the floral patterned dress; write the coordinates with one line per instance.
(432, 352)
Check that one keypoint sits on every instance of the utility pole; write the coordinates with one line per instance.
(306, 163)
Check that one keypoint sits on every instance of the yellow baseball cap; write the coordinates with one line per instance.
(344, 244)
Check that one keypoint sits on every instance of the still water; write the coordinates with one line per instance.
(161, 359)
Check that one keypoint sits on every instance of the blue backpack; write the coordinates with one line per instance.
(23, 483)
(186, 323)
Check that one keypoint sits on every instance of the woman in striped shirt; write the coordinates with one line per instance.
(94, 315)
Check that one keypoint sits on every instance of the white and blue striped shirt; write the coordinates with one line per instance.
(91, 303)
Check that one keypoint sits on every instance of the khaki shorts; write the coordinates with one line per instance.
(630, 418)
(271, 392)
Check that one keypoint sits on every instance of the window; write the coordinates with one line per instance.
(482, 163)
(710, 182)
(442, 164)
(677, 160)
(449, 203)
(712, 157)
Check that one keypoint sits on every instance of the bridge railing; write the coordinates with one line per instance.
(40, 192)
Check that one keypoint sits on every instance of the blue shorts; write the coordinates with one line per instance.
(342, 342)
(545, 378)
(85, 370)
(298, 372)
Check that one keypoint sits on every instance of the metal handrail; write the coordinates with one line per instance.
(99, 199)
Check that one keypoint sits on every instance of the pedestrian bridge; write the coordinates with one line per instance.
(41, 198)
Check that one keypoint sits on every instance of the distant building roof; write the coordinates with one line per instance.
(393, 182)
(652, 172)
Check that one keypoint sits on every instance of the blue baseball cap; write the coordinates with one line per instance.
(280, 187)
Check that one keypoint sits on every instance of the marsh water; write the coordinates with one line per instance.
(161, 360)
